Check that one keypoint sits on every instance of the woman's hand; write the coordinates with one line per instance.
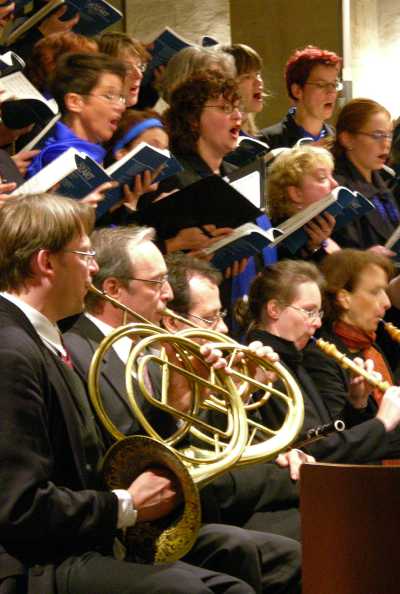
(255, 369)
(293, 460)
(359, 388)
(196, 239)
(99, 193)
(143, 183)
(318, 230)
(5, 189)
(54, 24)
(382, 251)
(236, 268)
(23, 159)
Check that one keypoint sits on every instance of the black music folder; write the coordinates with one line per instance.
(211, 200)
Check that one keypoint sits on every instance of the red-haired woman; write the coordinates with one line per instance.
(312, 84)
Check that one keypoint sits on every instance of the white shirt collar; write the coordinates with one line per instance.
(122, 347)
(48, 332)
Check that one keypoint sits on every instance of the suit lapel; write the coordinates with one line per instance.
(71, 395)
(113, 370)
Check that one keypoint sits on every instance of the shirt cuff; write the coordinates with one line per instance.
(127, 513)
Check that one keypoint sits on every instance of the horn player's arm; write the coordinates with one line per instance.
(293, 459)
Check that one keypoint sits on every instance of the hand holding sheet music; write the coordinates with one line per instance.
(319, 229)
(87, 17)
(197, 239)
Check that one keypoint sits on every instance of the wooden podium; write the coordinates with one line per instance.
(350, 518)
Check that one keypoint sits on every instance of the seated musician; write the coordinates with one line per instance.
(58, 522)
(355, 300)
(132, 270)
(284, 312)
(195, 285)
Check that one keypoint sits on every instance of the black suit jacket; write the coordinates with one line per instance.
(49, 508)
(231, 498)
(82, 340)
(364, 441)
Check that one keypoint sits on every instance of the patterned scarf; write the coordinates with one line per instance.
(358, 340)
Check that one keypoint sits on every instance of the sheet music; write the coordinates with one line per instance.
(17, 86)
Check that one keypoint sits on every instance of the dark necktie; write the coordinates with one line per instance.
(66, 357)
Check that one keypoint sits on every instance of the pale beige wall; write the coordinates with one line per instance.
(277, 27)
(375, 60)
(191, 19)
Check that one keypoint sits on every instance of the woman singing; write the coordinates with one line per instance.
(363, 140)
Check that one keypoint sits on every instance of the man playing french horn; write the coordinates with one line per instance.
(58, 522)
(125, 253)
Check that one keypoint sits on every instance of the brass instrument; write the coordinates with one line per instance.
(332, 351)
(193, 466)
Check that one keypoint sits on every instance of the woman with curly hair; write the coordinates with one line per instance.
(297, 178)
(204, 123)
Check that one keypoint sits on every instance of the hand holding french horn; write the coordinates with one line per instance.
(201, 371)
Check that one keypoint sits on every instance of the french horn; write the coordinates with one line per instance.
(234, 444)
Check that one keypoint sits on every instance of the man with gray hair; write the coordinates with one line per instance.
(133, 271)
(58, 522)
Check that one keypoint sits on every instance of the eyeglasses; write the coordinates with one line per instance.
(251, 75)
(88, 255)
(227, 108)
(378, 136)
(130, 67)
(327, 87)
(213, 321)
(154, 281)
(311, 314)
(109, 97)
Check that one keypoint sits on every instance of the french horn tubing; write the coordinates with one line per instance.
(194, 466)
(347, 363)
